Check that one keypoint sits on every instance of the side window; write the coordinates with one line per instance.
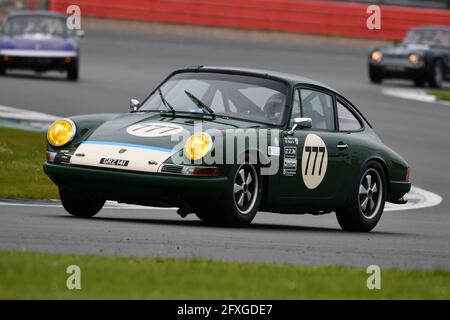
(319, 107)
(347, 120)
(296, 112)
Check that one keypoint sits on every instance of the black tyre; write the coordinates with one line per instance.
(436, 74)
(242, 196)
(419, 83)
(375, 75)
(80, 204)
(367, 204)
(73, 71)
(2, 70)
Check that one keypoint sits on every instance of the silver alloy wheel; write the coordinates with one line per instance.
(370, 193)
(245, 188)
(438, 72)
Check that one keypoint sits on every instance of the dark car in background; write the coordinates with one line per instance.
(39, 41)
(423, 56)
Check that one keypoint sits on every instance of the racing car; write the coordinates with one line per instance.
(423, 56)
(224, 143)
(39, 41)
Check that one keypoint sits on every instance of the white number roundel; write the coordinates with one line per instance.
(154, 129)
(314, 161)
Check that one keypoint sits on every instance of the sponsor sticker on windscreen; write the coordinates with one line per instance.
(114, 162)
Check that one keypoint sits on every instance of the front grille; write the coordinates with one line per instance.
(172, 169)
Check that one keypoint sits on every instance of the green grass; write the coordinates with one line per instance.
(43, 276)
(440, 94)
(22, 154)
(26, 275)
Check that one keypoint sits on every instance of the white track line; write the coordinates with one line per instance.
(25, 115)
(412, 94)
(418, 198)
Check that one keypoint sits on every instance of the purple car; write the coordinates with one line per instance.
(39, 41)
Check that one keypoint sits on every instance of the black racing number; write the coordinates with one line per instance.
(315, 165)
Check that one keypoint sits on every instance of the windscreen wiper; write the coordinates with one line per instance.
(165, 102)
(205, 108)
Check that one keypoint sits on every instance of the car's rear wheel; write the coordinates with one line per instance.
(436, 76)
(2, 69)
(73, 71)
(375, 75)
(80, 204)
(367, 204)
(243, 195)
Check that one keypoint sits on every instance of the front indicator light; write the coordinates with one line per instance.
(50, 156)
(376, 56)
(414, 58)
(201, 171)
(61, 132)
(408, 175)
(197, 146)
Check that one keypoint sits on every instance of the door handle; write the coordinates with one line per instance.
(342, 146)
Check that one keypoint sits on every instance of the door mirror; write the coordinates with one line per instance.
(301, 123)
(79, 33)
(134, 105)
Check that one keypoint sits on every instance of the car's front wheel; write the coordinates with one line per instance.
(375, 75)
(2, 69)
(419, 82)
(242, 196)
(80, 204)
(367, 204)
(436, 76)
(73, 71)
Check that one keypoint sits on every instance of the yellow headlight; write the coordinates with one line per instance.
(197, 146)
(414, 58)
(376, 56)
(61, 132)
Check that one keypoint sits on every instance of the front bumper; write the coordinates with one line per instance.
(136, 187)
(400, 71)
(37, 60)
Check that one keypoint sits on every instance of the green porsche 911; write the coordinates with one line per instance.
(224, 143)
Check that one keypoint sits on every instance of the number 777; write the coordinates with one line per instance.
(316, 150)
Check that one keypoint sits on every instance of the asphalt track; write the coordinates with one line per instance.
(122, 64)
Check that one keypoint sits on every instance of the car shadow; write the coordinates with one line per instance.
(31, 76)
(253, 226)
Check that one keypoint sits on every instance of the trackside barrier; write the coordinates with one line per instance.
(315, 17)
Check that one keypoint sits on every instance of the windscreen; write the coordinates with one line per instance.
(36, 25)
(237, 96)
(428, 37)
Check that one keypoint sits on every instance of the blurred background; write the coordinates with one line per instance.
(332, 17)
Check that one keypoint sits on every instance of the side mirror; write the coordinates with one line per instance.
(80, 33)
(302, 123)
(134, 105)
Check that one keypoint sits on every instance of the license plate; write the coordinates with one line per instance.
(38, 60)
(395, 68)
(114, 162)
